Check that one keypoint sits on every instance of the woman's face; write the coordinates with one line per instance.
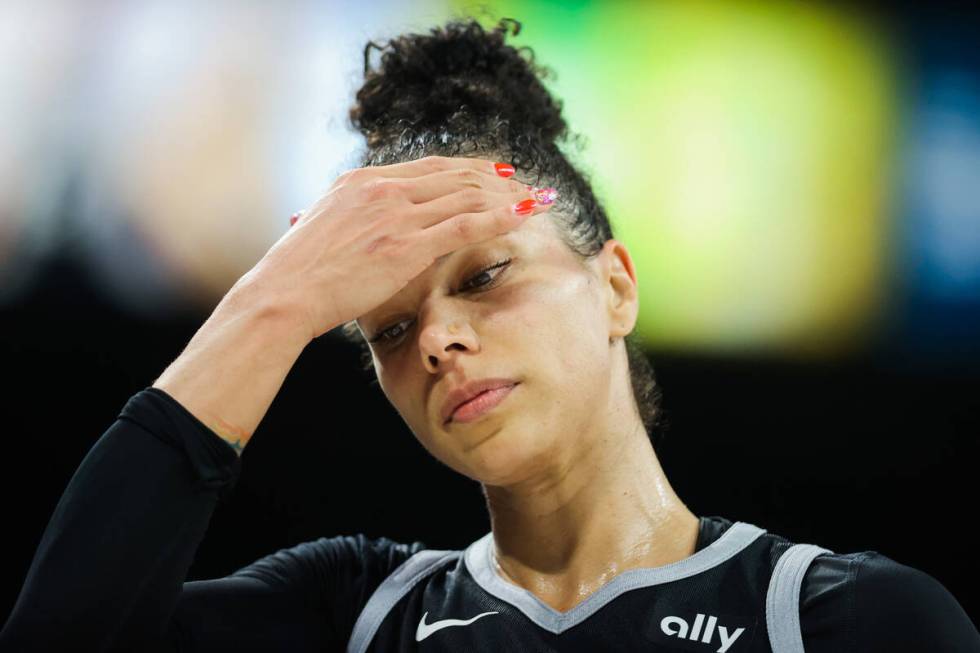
(544, 320)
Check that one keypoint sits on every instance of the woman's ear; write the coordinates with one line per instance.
(619, 277)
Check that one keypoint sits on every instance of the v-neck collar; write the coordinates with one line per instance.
(478, 558)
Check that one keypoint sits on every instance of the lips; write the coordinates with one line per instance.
(464, 393)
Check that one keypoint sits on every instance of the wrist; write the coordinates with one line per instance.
(231, 370)
(280, 319)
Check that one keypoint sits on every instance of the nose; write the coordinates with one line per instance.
(441, 339)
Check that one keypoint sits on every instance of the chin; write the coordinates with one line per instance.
(503, 459)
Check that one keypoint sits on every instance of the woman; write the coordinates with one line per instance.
(496, 315)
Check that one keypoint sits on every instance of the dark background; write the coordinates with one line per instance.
(878, 452)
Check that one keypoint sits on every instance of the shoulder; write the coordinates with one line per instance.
(343, 564)
(333, 576)
(878, 604)
(905, 606)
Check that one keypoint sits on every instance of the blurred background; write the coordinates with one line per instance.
(798, 184)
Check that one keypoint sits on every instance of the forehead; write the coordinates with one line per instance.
(524, 240)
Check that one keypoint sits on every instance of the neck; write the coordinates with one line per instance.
(567, 533)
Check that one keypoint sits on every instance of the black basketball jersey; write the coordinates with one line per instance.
(740, 593)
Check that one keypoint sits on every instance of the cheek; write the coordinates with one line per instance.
(566, 346)
(556, 317)
(538, 309)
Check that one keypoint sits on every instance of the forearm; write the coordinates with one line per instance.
(235, 365)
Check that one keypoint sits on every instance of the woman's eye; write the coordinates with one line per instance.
(493, 280)
(389, 335)
(385, 335)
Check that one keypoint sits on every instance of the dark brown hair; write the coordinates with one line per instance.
(462, 91)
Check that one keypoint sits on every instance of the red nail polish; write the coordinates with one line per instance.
(504, 169)
(525, 206)
(293, 220)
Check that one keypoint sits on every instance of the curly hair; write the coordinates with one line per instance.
(462, 91)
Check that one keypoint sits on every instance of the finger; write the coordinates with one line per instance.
(438, 184)
(461, 230)
(465, 200)
(430, 164)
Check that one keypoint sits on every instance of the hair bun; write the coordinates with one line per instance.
(459, 81)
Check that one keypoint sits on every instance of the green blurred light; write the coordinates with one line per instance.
(741, 151)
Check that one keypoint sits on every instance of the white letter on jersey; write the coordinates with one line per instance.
(667, 622)
(727, 641)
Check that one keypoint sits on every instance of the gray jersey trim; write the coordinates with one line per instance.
(390, 591)
(783, 597)
(478, 559)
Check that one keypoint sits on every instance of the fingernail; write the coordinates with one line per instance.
(294, 217)
(504, 169)
(524, 206)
